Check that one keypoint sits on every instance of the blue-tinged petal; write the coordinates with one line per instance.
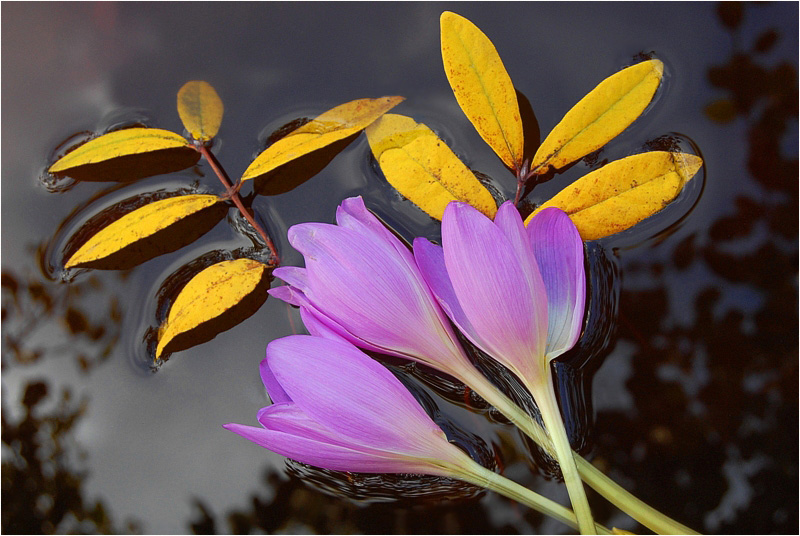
(494, 291)
(558, 248)
(344, 390)
(273, 387)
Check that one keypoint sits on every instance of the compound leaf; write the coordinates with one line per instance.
(125, 142)
(210, 294)
(597, 118)
(624, 192)
(423, 168)
(200, 109)
(333, 125)
(482, 87)
(139, 225)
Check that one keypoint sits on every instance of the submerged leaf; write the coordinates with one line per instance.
(125, 142)
(138, 225)
(333, 125)
(200, 109)
(423, 168)
(598, 117)
(209, 295)
(624, 192)
(482, 87)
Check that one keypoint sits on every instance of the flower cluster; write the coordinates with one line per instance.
(517, 293)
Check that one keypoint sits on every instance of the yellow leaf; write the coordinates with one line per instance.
(615, 530)
(482, 87)
(208, 295)
(119, 143)
(602, 114)
(138, 225)
(624, 192)
(200, 109)
(333, 125)
(422, 168)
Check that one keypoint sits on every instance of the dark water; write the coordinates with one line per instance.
(688, 398)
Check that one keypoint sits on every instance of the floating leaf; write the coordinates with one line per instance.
(624, 192)
(482, 87)
(333, 125)
(598, 117)
(200, 109)
(422, 168)
(125, 142)
(138, 225)
(209, 295)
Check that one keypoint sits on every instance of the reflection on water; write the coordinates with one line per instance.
(703, 358)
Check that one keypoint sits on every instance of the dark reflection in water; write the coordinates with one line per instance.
(694, 408)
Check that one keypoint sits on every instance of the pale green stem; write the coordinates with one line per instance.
(480, 476)
(600, 482)
(545, 396)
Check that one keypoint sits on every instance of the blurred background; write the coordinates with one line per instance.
(684, 388)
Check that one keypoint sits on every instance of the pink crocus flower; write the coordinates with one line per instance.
(518, 294)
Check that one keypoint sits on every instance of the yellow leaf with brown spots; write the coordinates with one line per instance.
(211, 293)
(138, 225)
(624, 192)
(597, 118)
(334, 125)
(200, 109)
(129, 141)
(423, 168)
(482, 87)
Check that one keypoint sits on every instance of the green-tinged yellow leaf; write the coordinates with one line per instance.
(624, 192)
(482, 87)
(200, 109)
(138, 225)
(422, 168)
(119, 143)
(334, 125)
(615, 530)
(208, 295)
(598, 117)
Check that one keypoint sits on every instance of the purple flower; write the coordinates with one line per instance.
(361, 283)
(516, 293)
(336, 408)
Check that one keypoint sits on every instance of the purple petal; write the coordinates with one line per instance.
(361, 283)
(329, 456)
(430, 259)
(500, 297)
(293, 275)
(341, 388)
(353, 214)
(274, 389)
(558, 248)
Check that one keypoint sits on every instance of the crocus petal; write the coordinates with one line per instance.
(326, 455)
(344, 390)
(558, 248)
(274, 389)
(353, 214)
(496, 293)
(358, 280)
(293, 275)
(430, 260)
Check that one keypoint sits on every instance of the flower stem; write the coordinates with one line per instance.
(545, 397)
(233, 194)
(485, 478)
(596, 479)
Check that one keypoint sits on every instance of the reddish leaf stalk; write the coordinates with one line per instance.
(233, 195)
